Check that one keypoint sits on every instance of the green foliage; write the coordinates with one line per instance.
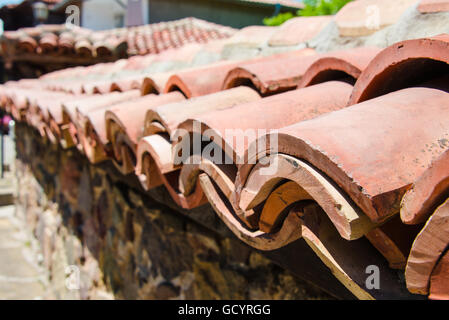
(321, 7)
(277, 20)
(311, 8)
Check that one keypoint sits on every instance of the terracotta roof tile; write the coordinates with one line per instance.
(360, 130)
(111, 44)
(170, 116)
(427, 249)
(362, 177)
(339, 65)
(274, 73)
(125, 124)
(300, 104)
(395, 62)
(429, 6)
(427, 193)
(439, 279)
(73, 111)
(200, 81)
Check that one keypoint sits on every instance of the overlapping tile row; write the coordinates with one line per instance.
(345, 149)
(59, 40)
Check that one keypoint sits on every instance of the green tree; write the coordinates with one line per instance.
(311, 8)
(321, 7)
(278, 19)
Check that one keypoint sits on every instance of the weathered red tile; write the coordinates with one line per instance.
(427, 249)
(341, 144)
(272, 74)
(73, 110)
(27, 44)
(200, 81)
(154, 166)
(299, 105)
(124, 126)
(338, 65)
(155, 83)
(171, 115)
(439, 281)
(429, 191)
(431, 6)
(48, 43)
(401, 65)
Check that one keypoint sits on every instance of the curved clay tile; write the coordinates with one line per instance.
(357, 147)
(154, 152)
(431, 6)
(439, 280)
(402, 65)
(155, 83)
(48, 43)
(100, 101)
(427, 249)
(339, 65)
(127, 83)
(90, 123)
(27, 44)
(289, 232)
(109, 47)
(124, 126)
(21, 98)
(299, 105)
(307, 183)
(154, 166)
(346, 259)
(272, 74)
(71, 110)
(200, 81)
(52, 109)
(102, 49)
(91, 131)
(66, 42)
(84, 48)
(97, 87)
(171, 115)
(299, 30)
(428, 192)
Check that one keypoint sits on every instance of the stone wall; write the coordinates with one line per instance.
(128, 245)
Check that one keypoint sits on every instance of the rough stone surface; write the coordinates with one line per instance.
(126, 245)
(20, 275)
(411, 25)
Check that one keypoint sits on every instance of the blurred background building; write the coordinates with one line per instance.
(107, 14)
